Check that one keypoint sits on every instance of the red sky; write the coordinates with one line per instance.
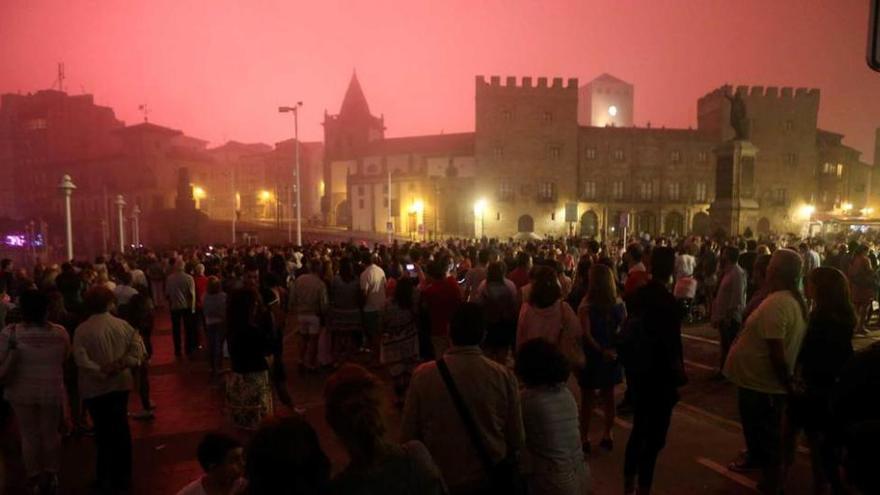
(219, 69)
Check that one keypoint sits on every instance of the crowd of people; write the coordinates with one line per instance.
(482, 343)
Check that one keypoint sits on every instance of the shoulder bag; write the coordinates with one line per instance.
(504, 476)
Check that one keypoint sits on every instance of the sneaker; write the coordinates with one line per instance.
(146, 415)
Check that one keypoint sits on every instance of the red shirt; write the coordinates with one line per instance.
(201, 289)
(441, 299)
(519, 276)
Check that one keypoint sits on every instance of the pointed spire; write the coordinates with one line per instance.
(354, 103)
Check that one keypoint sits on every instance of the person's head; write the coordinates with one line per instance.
(662, 263)
(784, 273)
(221, 457)
(495, 273)
(759, 269)
(437, 269)
(729, 256)
(125, 278)
(285, 457)
(200, 269)
(860, 249)
(751, 245)
(99, 299)
(583, 270)
(353, 409)
(545, 287)
(179, 265)
(829, 289)
(241, 308)
(367, 258)
(803, 248)
(67, 267)
(214, 285)
(540, 363)
(346, 270)
(483, 256)
(404, 292)
(251, 278)
(34, 306)
(523, 260)
(602, 291)
(634, 253)
(468, 325)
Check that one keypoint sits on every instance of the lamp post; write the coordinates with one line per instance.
(136, 226)
(120, 204)
(67, 186)
(295, 110)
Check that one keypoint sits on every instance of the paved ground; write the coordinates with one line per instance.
(704, 436)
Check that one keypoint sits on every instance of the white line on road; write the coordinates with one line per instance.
(732, 476)
(700, 339)
(730, 423)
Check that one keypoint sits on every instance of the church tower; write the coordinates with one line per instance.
(346, 136)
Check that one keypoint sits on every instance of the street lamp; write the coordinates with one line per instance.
(480, 211)
(67, 186)
(295, 110)
(120, 204)
(135, 226)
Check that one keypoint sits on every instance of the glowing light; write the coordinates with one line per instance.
(846, 206)
(199, 193)
(612, 111)
(417, 207)
(265, 195)
(321, 188)
(806, 211)
(867, 211)
(480, 206)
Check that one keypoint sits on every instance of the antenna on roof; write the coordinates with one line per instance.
(145, 110)
(59, 80)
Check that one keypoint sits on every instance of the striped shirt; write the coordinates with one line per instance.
(38, 374)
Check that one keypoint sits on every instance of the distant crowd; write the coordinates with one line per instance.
(482, 343)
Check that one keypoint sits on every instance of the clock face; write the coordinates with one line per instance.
(612, 111)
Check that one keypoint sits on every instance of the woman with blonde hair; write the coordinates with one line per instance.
(601, 314)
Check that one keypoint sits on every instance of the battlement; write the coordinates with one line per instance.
(526, 82)
(768, 93)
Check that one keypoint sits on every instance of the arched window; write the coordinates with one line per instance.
(589, 224)
(525, 224)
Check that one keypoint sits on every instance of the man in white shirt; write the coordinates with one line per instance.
(372, 283)
(180, 290)
(124, 291)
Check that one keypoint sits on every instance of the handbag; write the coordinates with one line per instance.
(8, 366)
(504, 476)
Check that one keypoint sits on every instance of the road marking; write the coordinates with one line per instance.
(727, 473)
(733, 424)
(699, 366)
(700, 339)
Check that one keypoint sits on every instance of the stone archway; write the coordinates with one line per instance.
(646, 222)
(589, 226)
(525, 224)
(673, 224)
(343, 214)
(764, 226)
(701, 223)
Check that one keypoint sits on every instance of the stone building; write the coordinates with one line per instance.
(548, 160)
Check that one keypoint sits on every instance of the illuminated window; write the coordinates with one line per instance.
(780, 197)
(673, 190)
(507, 115)
(675, 156)
(790, 159)
(546, 191)
(505, 191)
(618, 155)
(702, 157)
(839, 169)
(555, 152)
(548, 117)
(498, 151)
(589, 190)
(617, 190)
(700, 192)
(788, 125)
(590, 153)
(646, 190)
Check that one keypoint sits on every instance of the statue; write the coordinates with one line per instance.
(738, 118)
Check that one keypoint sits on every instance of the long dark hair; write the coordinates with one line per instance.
(403, 292)
(831, 296)
(240, 309)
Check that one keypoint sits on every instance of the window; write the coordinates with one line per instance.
(780, 197)
(555, 152)
(546, 191)
(553, 216)
(618, 155)
(700, 192)
(788, 125)
(646, 190)
(617, 190)
(675, 156)
(360, 190)
(702, 157)
(590, 153)
(507, 115)
(829, 168)
(589, 190)
(548, 117)
(498, 152)
(790, 159)
(385, 188)
(385, 202)
(673, 190)
(361, 204)
(372, 169)
(505, 191)
(839, 169)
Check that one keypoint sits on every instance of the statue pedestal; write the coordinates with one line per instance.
(735, 207)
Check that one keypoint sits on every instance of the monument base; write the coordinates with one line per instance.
(734, 208)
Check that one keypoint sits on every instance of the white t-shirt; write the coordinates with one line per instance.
(196, 488)
(748, 366)
(372, 283)
(124, 293)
